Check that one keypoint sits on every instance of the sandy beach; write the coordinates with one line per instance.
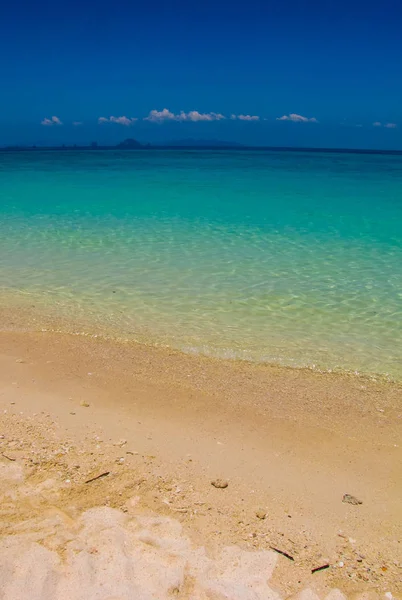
(227, 477)
(201, 300)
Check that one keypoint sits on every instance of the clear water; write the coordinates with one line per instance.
(293, 258)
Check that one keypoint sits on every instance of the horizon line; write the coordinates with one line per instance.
(235, 146)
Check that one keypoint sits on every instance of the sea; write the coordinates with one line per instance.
(284, 257)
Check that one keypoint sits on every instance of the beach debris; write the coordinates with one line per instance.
(178, 509)
(348, 499)
(220, 483)
(261, 514)
(8, 457)
(285, 554)
(120, 443)
(84, 403)
(321, 568)
(98, 477)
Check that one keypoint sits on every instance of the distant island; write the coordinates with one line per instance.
(190, 144)
(128, 144)
(131, 144)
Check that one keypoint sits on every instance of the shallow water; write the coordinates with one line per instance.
(286, 257)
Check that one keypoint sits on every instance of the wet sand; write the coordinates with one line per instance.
(290, 443)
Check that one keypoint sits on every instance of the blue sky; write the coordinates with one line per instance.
(335, 65)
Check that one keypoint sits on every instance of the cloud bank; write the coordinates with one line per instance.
(51, 122)
(386, 125)
(194, 116)
(297, 118)
(245, 117)
(160, 116)
(126, 121)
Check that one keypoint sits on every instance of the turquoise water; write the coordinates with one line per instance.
(285, 257)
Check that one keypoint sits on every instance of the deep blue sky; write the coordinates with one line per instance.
(337, 61)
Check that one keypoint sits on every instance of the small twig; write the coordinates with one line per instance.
(317, 569)
(282, 552)
(8, 457)
(180, 510)
(98, 477)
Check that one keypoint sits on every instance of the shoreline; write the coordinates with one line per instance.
(289, 442)
(18, 317)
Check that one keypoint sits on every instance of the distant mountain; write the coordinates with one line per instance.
(128, 144)
(193, 143)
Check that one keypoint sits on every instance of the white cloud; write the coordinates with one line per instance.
(248, 117)
(297, 118)
(51, 121)
(194, 115)
(159, 116)
(123, 120)
(119, 120)
(386, 125)
(77, 123)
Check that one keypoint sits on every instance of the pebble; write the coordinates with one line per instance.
(261, 514)
(220, 483)
(351, 499)
(83, 403)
